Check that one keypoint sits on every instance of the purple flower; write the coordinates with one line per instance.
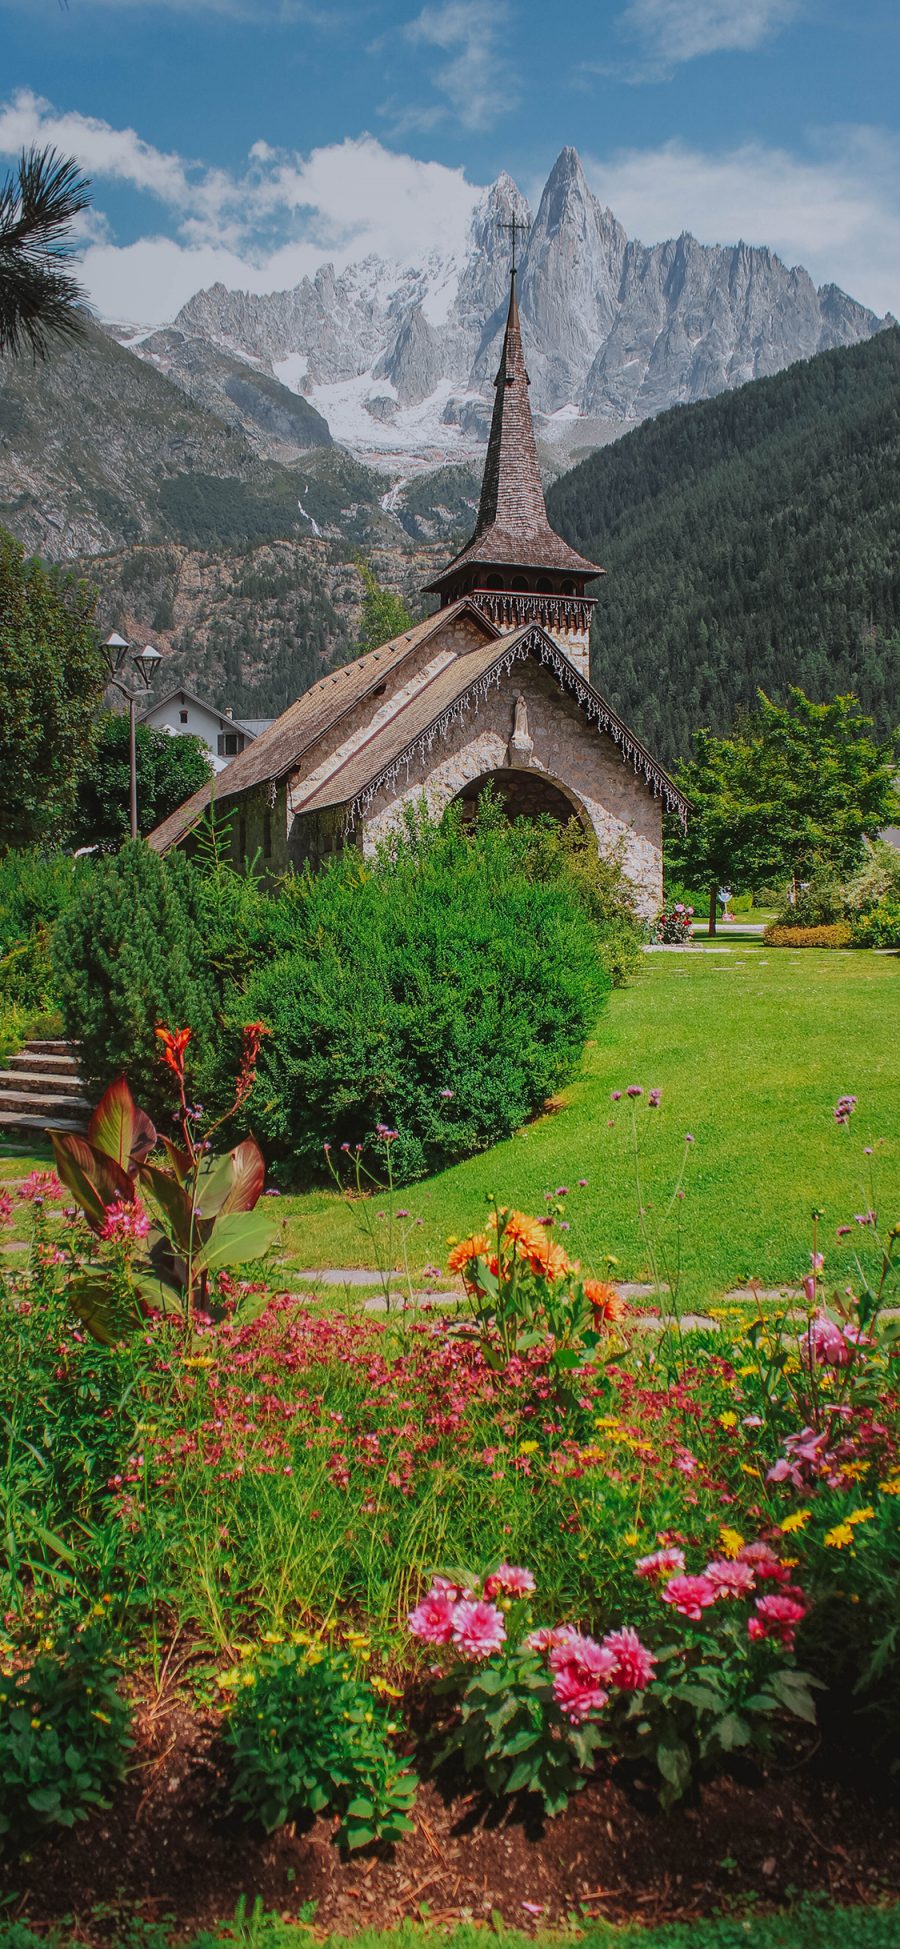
(634, 1089)
(271, 1193)
(688, 1138)
(581, 1183)
(653, 1099)
(446, 1094)
(403, 1213)
(326, 1146)
(615, 1096)
(844, 1108)
(562, 1190)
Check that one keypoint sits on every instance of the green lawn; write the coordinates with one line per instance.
(751, 1048)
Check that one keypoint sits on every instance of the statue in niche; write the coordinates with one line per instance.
(521, 743)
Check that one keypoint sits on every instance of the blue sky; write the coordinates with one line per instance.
(252, 139)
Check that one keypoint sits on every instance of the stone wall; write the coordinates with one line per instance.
(574, 754)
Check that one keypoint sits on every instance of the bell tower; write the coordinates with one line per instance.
(516, 568)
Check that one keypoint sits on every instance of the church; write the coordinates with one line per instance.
(492, 688)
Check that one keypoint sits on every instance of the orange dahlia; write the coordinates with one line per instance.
(476, 1247)
(607, 1304)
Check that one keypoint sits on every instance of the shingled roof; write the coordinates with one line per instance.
(280, 749)
(354, 778)
(512, 529)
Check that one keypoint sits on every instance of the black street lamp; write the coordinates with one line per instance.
(146, 663)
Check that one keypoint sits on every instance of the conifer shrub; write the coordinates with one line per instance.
(443, 991)
(35, 888)
(129, 954)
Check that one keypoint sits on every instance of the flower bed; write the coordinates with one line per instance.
(533, 1542)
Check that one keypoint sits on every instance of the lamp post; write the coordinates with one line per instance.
(146, 663)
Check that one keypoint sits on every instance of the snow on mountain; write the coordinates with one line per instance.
(400, 359)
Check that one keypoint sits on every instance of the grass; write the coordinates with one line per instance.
(809, 1926)
(751, 1047)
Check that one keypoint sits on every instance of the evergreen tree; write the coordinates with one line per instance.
(52, 678)
(384, 614)
(129, 958)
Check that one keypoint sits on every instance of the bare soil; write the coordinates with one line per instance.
(171, 1848)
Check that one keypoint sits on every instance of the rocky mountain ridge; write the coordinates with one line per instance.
(399, 360)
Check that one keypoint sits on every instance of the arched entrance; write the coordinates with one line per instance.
(524, 794)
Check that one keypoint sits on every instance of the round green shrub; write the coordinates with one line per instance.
(442, 991)
(880, 926)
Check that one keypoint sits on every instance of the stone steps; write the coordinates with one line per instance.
(41, 1089)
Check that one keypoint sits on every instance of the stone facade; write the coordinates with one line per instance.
(602, 788)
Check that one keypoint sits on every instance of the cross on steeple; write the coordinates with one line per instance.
(514, 225)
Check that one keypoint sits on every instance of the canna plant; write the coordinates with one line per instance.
(202, 1218)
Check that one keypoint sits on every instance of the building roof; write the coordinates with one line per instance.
(182, 693)
(412, 718)
(280, 749)
(512, 529)
(354, 780)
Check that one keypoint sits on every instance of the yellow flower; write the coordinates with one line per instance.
(747, 1470)
(866, 1515)
(198, 1360)
(272, 1637)
(528, 1447)
(728, 1420)
(891, 1487)
(632, 1538)
(228, 1680)
(839, 1536)
(732, 1541)
(797, 1519)
(745, 1372)
(381, 1685)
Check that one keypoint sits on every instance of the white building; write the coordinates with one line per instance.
(183, 714)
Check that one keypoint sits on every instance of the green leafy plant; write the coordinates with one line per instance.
(306, 1736)
(206, 1221)
(64, 1735)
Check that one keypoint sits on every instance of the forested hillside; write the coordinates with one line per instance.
(750, 540)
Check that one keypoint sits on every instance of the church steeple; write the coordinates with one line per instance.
(515, 566)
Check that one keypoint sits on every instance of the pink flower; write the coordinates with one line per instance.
(508, 1581)
(635, 1665)
(478, 1629)
(579, 1665)
(548, 1636)
(432, 1620)
(762, 1560)
(690, 1596)
(827, 1342)
(124, 1221)
(40, 1185)
(6, 1206)
(662, 1563)
(777, 1617)
(577, 1697)
(445, 1587)
(575, 1648)
(731, 1579)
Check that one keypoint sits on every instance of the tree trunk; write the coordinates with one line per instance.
(712, 908)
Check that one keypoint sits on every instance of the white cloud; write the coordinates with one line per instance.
(672, 31)
(260, 230)
(836, 211)
(476, 80)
